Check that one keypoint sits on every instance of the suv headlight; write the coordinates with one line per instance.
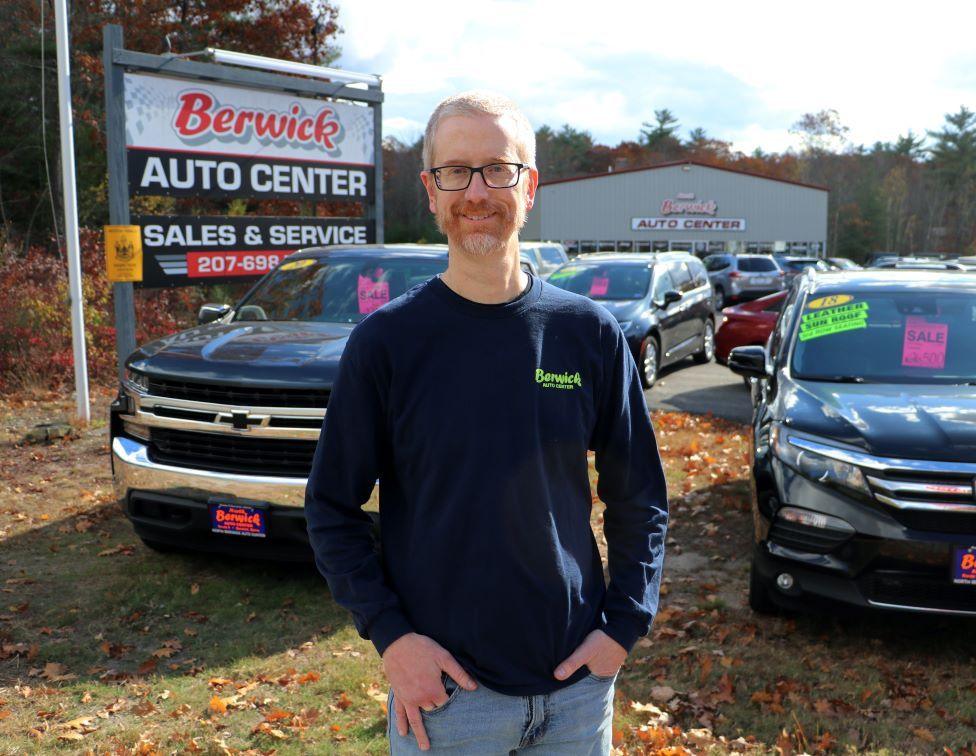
(819, 467)
(137, 381)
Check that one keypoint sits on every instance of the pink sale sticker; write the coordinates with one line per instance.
(925, 344)
(372, 294)
(599, 286)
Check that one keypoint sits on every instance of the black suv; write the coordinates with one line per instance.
(663, 303)
(865, 443)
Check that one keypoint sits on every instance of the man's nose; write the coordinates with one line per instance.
(477, 189)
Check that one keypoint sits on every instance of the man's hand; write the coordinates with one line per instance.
(413, 664)
(598, 651)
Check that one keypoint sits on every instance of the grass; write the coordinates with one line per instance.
(110, 647)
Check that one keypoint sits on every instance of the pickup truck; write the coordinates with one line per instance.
(214, 428)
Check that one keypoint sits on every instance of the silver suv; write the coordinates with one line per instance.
(544, 256)
(738, 278)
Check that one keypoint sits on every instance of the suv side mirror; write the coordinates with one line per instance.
(670, 297)
(211, 312)
(748, 361)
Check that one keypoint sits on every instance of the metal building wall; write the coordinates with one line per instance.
(601, 208)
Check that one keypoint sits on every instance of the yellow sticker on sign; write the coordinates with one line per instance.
(832, 301)
(123, 253)
(296, 264)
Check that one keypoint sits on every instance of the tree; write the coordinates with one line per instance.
(954, 160)
(295, 29)
(821, 132)
(660, 136)
(564, 153)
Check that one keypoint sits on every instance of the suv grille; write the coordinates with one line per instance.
(928, 500)
(238, 395)
(231, 453)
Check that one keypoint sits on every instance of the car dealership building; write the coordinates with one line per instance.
(683, 206)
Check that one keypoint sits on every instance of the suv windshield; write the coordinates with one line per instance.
(604, 281)
(340, 291)
(905, 336)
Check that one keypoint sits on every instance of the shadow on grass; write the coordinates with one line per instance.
(85, 592)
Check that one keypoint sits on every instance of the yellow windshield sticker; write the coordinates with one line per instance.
(832, 320)
(296, 264)
(832, 301)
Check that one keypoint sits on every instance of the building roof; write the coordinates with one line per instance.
(674, 163)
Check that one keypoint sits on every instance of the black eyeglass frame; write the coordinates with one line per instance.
(437, 179)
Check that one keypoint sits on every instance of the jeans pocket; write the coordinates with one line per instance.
(602, 678)
(452, 689)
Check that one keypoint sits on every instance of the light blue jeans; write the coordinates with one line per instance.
(575, 721)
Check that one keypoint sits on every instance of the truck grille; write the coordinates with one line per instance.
(238, 395)
(231, 453)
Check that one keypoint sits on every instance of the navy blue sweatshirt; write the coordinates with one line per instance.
(476, 419)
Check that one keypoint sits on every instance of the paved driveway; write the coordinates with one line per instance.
(688, 387)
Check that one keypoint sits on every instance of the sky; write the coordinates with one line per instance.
(744, 71)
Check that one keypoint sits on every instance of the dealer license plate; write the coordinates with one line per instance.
(964, 565)
(238, 519)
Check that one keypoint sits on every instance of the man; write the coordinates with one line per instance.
(473, 399)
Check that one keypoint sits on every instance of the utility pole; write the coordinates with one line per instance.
(71, 212)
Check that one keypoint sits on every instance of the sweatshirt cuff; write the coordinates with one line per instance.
(624, 632)
(387, 627)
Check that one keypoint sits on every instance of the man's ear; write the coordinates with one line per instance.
(531, 184)
(427, 178)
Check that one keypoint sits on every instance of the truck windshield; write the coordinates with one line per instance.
(604, 281)
(905, 336)
(334, 291)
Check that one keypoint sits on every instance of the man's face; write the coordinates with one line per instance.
(479, 220)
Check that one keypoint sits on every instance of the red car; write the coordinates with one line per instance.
(746, 324)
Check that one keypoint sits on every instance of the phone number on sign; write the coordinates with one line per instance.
(204, 264)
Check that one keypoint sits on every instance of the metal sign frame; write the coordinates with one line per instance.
(117, 61)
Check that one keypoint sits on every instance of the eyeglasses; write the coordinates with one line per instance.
(454, 178)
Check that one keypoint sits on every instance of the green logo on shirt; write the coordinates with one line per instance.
(558, 380)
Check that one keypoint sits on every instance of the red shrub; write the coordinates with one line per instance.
(35, 324)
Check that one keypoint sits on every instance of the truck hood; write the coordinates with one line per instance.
(906, 421)
(280, 354)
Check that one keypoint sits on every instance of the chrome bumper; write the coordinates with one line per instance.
(135, 471)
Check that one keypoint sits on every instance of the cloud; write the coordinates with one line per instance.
(742, 71)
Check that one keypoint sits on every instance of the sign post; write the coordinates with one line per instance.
(180, 128)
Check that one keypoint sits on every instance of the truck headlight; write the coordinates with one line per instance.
(817, 467)
(137, 381)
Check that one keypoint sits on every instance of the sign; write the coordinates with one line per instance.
(123, 253)
(687, 224)
(686, 204)
(188, 138)
(925, 344)
(183, 250)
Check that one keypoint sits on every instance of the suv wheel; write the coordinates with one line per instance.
(649, 361)
(707, 351)
(759, 588)
(719, 299)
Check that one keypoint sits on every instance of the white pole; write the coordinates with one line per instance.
(71, 212)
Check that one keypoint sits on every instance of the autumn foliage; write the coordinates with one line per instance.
(35, 324)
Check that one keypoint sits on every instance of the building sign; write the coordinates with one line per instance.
(687, 224)
(182, 250)
(198, 139)
(686, 204)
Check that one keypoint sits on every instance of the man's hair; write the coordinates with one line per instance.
(479, 102)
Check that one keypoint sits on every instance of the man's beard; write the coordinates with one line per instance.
(483, 243)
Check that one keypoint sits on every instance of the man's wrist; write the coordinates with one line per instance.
(387, 627)
(623, 633)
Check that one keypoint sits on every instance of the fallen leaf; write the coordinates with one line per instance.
(217, 705)
(924, 734)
